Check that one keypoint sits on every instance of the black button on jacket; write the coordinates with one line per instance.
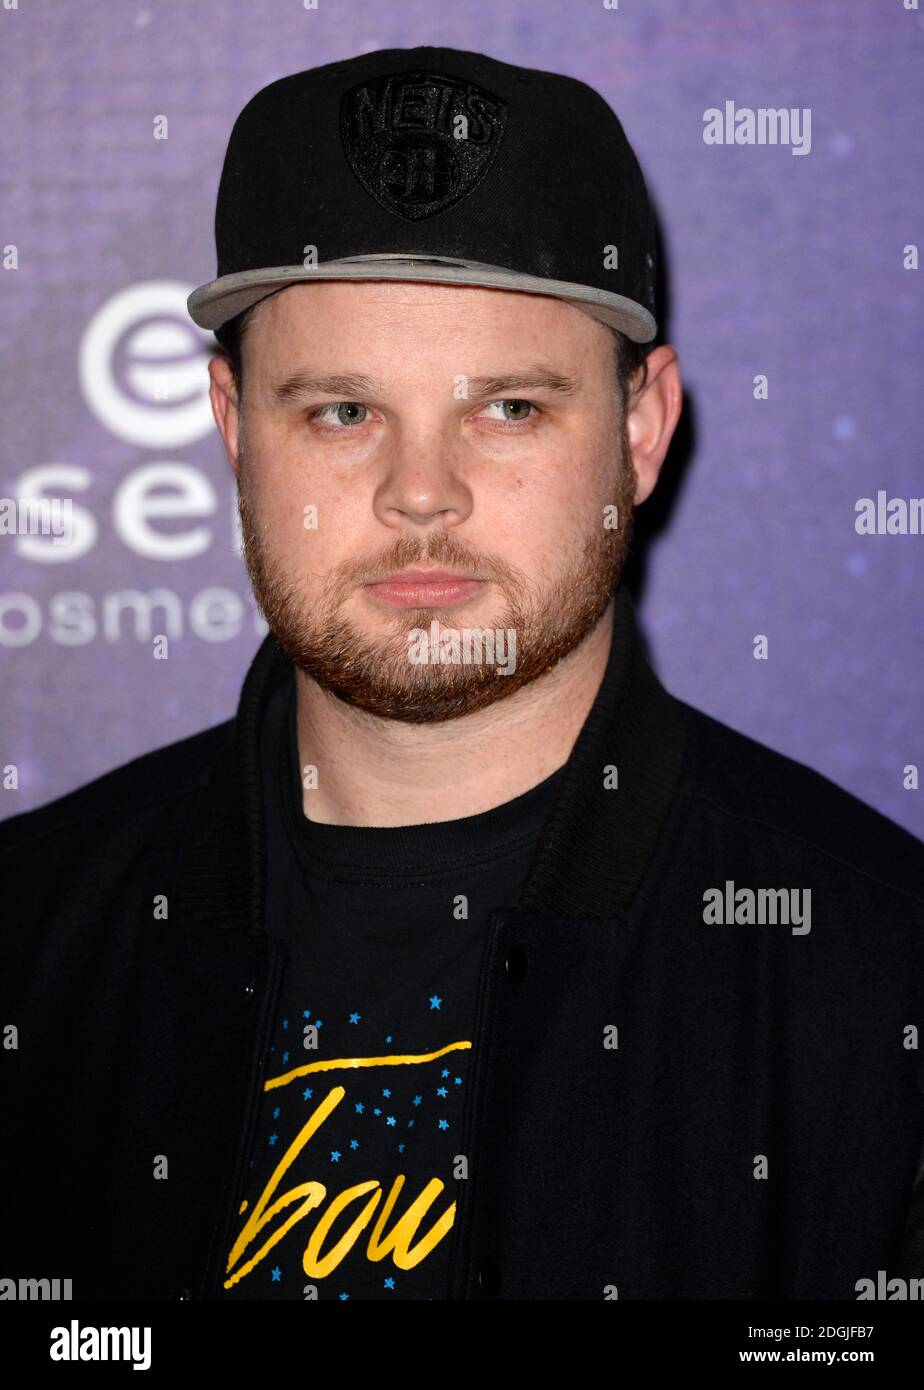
(664, 1105)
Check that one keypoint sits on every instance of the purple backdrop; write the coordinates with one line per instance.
(796, 267)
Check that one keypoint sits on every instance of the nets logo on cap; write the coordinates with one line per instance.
(420, 141)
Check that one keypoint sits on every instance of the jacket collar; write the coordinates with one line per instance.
(592, 852)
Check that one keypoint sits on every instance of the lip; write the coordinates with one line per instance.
(424, 576)
(422, 588)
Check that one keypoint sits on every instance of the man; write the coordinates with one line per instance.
(466, 961)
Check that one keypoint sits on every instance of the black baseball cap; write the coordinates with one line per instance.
(439, 165)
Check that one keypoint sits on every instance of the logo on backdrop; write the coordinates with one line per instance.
(142, 366)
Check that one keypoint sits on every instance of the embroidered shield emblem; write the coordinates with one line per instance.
(420, 141)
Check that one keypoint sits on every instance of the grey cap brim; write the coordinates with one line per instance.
(213, 304)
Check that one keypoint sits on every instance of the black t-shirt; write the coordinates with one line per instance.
(357, 1151)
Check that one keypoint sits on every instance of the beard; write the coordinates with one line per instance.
(375, 674)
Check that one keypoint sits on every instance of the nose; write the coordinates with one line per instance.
(423, 483)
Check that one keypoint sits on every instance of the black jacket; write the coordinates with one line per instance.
(754, 1132)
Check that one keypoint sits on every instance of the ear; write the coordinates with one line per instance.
(652, 415)
(226, 408)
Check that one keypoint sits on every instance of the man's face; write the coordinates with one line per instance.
(440, 430)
